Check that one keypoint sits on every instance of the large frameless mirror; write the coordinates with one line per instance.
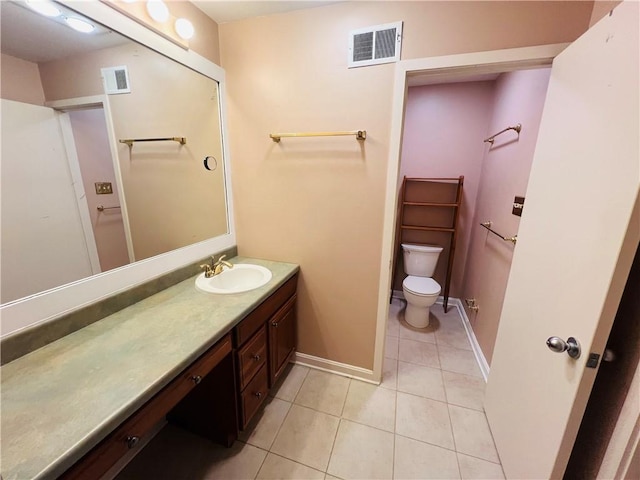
(112, 155)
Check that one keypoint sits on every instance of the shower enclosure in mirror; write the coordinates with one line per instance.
(78, 197)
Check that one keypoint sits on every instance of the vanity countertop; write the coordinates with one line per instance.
(59, 401)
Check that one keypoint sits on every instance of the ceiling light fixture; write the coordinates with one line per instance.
(158, 10)
(184, 28)
(43, 7)
(79, 25)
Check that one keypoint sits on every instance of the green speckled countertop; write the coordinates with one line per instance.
(59, 401)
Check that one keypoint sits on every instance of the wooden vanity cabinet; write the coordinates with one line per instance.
(265, 342)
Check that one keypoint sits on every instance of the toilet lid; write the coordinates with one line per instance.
(421, 285)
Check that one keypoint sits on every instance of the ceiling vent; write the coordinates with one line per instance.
(375, 45)
(115, 80)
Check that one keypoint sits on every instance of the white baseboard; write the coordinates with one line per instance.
(338, 368)
(475, 346)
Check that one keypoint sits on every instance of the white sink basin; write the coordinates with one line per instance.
(241, 278)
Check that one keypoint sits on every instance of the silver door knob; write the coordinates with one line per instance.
(571, 346)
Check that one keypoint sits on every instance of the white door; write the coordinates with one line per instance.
(575, 246)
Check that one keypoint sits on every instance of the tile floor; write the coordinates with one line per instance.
(425, 421)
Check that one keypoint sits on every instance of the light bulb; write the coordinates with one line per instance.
(184, 28)
(158, 10)
(79, 25)
(45, 8)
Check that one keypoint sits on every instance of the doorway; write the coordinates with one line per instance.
(446, 125)
(89, 139)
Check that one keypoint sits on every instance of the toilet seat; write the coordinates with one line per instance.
(421, 286)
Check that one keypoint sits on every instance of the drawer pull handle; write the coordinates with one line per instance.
(132, 441)
(258, 394)
(196, 379)
(274, 324)
(256, 357)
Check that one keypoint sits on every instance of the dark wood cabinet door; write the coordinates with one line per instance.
(282, 338)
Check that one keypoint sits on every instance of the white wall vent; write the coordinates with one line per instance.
(116, 80)
(375, 45)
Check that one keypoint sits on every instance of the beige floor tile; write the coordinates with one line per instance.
(264, 427)
(464, 390)
(458, 361)
(453, 337)
(371, 405)
(420, 380)
(473, 468)
(426, 334)
(418, 352)
(393, 322)
(323, 391)
(391, 347)
(421, 461)
(424, 419)
(331, 477)
(287, 387)
(280, 468)
(362, 452)
(239, 462)
(306, 436)
(389, 374)
(472, 434)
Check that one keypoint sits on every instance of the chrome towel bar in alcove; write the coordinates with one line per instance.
(360, 134)
(487, 225)
(131, 141)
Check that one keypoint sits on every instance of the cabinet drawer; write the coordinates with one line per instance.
(253, 396)
(256, 318)
(95, 463)
(252, 356)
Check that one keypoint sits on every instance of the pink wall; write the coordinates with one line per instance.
(443, 132)
(519, 98)
(94, 155)
(20, 81)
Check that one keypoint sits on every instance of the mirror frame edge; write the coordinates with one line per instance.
(50, 304)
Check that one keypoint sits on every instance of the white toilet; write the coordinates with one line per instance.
(420, 290)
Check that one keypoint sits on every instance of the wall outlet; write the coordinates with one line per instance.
(103, 188)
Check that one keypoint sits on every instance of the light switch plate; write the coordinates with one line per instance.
(103, 188)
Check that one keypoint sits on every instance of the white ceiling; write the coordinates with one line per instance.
(229, 11)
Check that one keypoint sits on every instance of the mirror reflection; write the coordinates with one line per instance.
(76, 200)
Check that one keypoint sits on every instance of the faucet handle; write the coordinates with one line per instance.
(213, 259)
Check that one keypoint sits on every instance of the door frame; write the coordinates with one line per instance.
(98, 101)
(437, 68)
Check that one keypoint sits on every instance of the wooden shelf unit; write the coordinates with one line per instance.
(407, 202)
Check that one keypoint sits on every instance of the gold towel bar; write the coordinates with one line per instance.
(360, 134)
(492, 138)
(131, 141)
(487, 225)
(102, 208)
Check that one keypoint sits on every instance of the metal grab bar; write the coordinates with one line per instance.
(131, 141)
(360, 134)
(102, 208)
(487, 225)
(492, 138)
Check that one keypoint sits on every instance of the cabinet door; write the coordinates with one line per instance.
(282, 338)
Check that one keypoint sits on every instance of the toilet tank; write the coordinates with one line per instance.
(420, 260)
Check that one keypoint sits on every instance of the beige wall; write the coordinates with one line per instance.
(171, 200)
(20, 80)
(319, 202)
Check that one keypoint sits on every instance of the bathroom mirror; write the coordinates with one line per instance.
(85, 214)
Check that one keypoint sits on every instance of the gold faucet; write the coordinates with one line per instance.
(215, 268)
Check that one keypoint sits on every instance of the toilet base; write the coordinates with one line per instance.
(417, 317)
